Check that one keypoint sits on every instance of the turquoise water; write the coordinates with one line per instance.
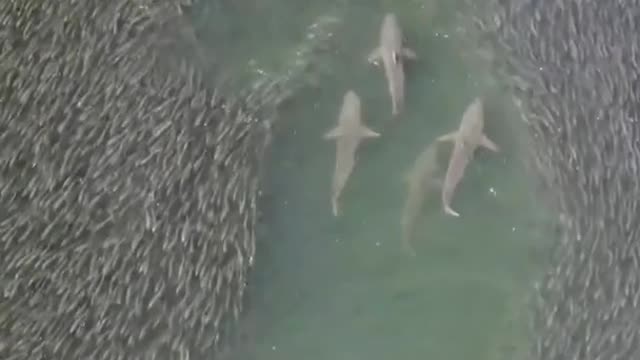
(342, 288)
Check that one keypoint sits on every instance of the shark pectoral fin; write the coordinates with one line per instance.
(375, 56)
(448, 137)
(368, 133)
(486, 142)
(409, 54)
(333, 133)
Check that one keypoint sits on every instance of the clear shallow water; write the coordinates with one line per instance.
(341, 288)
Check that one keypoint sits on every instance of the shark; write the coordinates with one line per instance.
(420, 179)
(348, 134)
(392, 53)
(465, 140)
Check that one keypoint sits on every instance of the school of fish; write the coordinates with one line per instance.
(573, 69)
(130, 185)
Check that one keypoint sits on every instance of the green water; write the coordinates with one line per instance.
(341, 288)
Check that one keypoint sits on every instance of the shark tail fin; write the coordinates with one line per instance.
(333, 133)
(407, 236)
(407, 247)
(449, 211)
(335, 207)
(395, 111)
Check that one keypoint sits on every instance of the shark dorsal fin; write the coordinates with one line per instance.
(396, 57)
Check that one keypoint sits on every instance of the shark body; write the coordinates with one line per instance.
(465, 140)
(391, 52)
(348, 134)
(420, 180)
